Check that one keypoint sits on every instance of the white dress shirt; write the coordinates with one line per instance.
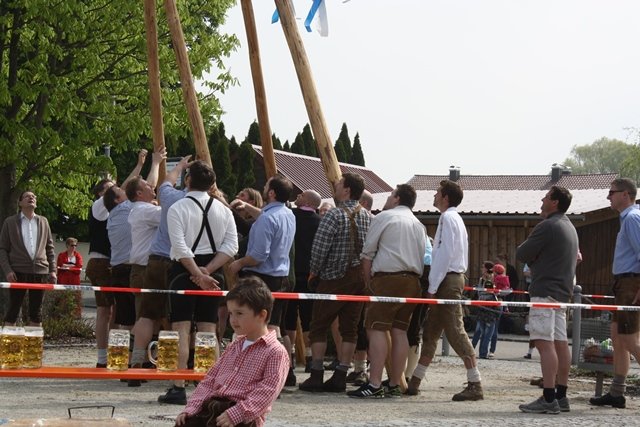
(29, 233)
(395, 242)
(144, 219)
(185, 219)
(450, 248)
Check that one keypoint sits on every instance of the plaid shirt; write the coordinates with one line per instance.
(332, 244)
(252, 378)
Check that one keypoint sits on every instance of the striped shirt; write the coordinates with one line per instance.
(332, 246)
(252, 378)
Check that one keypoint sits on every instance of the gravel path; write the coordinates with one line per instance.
(505, 381)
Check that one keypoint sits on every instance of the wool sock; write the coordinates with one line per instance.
(342, 367)
(617, 387)
(561, 391)
(530, 351)
(412, 360)
(420, 371)
(473, 375)
(137, 356)
(102, 356)
(549, 394)
(317, 365)
(360, 365)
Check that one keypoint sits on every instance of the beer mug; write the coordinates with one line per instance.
(11, 347)
(206, 351)
(33, 347)
(167, 352)
(118, 350)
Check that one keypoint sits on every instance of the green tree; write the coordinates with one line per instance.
(226, 179)
(73, 79)
(345, 143)
(298, 145)
(286, 147)
(246, 177)
(277, 145)
(309, 142)
(357, 157)
(340, 154)
(602, 156)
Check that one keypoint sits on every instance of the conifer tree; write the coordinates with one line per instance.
(357, 157)
(277, 145)
(226, 179)
(246, 177)
(340, 154)
(286, 147)
(298, 145)
(309, 142)
(345, 142)
(253, 137)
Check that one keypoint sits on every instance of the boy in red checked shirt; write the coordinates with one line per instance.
(248, 377)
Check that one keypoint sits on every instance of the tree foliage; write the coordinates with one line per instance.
(309, 142)
(357, 157)
(298, 145)
(343, 145)
(73, 79)
(602, 156)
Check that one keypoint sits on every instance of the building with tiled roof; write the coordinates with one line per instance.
(558, 176)
(307, 173)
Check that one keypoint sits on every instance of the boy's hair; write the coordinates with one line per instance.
(453, 190)
(355, 183)
(254, 293)
(110, 197)
(407, 195)
(282, 187)
(562, 195)
(202, 176)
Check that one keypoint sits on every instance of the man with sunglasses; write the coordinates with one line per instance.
(625, 327)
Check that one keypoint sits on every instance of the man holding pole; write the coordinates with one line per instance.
(625, 327)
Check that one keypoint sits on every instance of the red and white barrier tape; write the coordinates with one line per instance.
(328, 297)
(515, 291)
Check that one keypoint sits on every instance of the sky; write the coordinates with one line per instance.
(492, 86)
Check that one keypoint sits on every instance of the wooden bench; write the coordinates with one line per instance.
(599, 330)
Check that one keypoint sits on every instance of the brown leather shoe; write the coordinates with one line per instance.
(413, 387)
(473, 391)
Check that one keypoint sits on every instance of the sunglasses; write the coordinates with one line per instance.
(612, 192)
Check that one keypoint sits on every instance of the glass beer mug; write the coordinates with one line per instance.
(33, 347)
(206, 351)
(167, 353)
(118, 350)
(11, 347)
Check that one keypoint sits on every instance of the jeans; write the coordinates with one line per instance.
(484, 332)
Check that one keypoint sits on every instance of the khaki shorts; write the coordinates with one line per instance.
(625, 290)
(382, 316)
(99, 274)
(547, 324)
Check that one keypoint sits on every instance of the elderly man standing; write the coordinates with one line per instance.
(27, 255)
(392, 262)
(551, 251)
(625, 327)
(335, 259)
(449, 262)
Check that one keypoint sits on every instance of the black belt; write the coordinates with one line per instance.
(159, 258)
(396, 273)
(621, 275)
(453, 272)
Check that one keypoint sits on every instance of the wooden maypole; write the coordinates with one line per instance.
(186, 80)
(309, 92)
(155, 98)
(269, 159)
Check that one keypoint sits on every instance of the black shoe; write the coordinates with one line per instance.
(307, 365)
(608, 400)
(332, 366)
(367, 392)
(337, 383)
(291, 380)
(174, 396)
(134, 383)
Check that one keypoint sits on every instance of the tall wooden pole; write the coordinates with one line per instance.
(259, 90)
(186, 79)
(155, 96)
(309, 92)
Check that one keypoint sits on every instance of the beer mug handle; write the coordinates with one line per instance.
(150, 353)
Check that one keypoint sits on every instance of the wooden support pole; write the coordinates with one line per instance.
(309, 92)
(155, 96)
(186, 80)
(259, 89)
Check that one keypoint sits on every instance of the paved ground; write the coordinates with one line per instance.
(505, 380)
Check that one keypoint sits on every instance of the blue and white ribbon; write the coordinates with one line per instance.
(322, 23)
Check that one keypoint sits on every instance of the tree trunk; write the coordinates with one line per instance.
(8, 203)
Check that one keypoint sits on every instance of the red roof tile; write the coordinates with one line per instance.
(516, 182)
(307, 173)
